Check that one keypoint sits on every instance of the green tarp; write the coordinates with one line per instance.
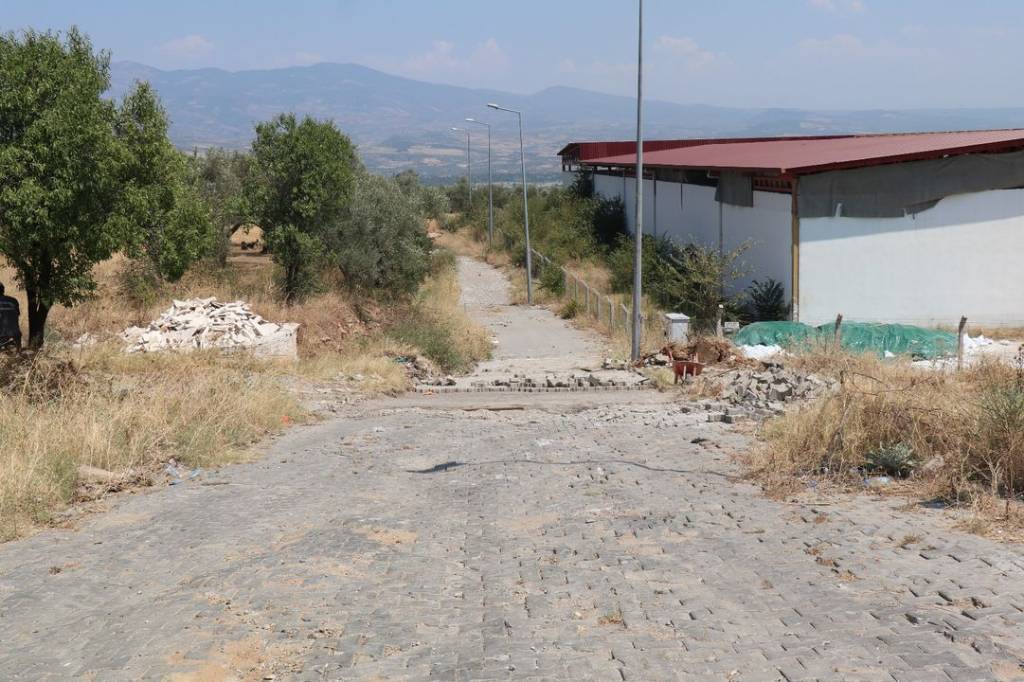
(898, 339)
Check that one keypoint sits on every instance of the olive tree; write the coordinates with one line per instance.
(381, 247)
(78, 174)
(298, 191)
(159, 193)
(222, 175)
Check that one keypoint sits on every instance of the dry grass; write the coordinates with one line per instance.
(437, 326)
(965, 431)
(125, 414)
(368, 363)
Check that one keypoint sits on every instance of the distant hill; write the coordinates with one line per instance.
(404, 123)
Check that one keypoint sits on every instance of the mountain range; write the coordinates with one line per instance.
(401, 123)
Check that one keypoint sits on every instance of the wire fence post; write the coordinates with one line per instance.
(960, 343)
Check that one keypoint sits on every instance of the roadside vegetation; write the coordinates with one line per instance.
(103, 223)
(950, 437)
(586, 234)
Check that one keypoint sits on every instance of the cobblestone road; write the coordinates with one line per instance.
(500, 536)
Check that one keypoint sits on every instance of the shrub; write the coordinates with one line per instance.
(964, 432)
(553, 280)
(570, 310)
(380, 246)
(767, 301)
(897, 459)
(692, 279)
(435, 324)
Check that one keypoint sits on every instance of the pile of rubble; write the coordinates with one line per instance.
(769, 386)
(202, 323)
(566, 381)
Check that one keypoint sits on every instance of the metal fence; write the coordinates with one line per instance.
(591, 301)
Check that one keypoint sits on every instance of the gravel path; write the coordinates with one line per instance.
(475, 536)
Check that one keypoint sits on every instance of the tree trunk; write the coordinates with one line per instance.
(37, 314)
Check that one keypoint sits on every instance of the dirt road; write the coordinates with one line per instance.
(487, 536)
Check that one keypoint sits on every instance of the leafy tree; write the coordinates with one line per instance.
(298, 192)
(221, 176)
(382, 247)
(458, 196)
(433, 201)
(173, 226)
(61, 169)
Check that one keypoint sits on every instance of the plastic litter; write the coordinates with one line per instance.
(178, 474)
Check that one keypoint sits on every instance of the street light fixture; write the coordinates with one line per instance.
(526, 207)
(490, 194)
(469, 165)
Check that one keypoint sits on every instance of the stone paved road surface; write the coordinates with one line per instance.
(593, 536)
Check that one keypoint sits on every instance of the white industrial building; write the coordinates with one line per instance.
(913, 228)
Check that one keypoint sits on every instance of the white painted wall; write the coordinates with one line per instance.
(964, 256)
(689, 214)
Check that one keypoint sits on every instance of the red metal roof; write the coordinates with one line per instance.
(796, 156)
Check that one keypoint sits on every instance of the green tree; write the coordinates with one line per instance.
(60, 168)
(382, 247)
(432, 201)
(298, 191)
(159, 195)
(222, 176)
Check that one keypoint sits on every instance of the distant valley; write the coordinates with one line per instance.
(401, 123)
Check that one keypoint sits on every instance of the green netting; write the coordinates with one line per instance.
(898, 339)
(785, 334)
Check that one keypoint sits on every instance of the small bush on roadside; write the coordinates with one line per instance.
(570, 310)
(435, 324)
(691, 279)
(553, 280)
(119, 413)
(897, 459)
(767, 301)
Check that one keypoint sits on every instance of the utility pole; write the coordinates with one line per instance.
(490, 186)
(638, 226)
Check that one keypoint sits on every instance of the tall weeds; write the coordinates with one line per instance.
(124, 414)
(960, 433)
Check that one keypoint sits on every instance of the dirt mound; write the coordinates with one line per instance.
(709, 350)
(38, 377)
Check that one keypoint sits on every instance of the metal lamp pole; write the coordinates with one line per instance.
(469, 166)
(490, 192)
(638, 227)
(526, 206)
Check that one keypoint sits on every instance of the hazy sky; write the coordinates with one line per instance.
(792, 53)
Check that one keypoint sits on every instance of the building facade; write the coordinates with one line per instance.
(911, 228)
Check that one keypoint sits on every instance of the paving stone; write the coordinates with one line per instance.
(333, 558)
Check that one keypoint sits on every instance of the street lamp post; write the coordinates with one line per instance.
(490, 194)
(526, 206)
(469, 166)
(638, 227)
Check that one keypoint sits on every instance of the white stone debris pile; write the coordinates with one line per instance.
(206, 323)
